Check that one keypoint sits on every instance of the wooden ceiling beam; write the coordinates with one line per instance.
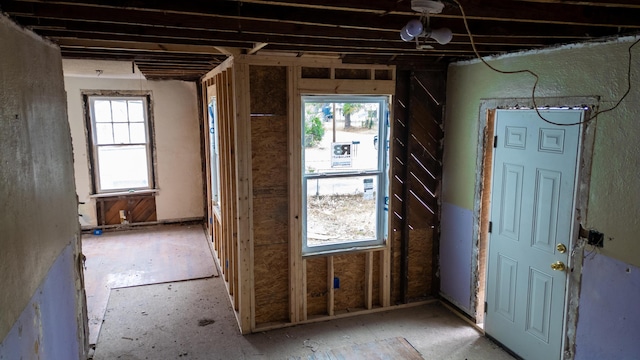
(160, 48)
(628, 4)
(142, 55)
(494, 10)
(547, 13)
(132, 23)
(56, 34)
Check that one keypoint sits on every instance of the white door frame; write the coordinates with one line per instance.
(583, 176)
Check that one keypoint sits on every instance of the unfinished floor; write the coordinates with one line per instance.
(193, 320)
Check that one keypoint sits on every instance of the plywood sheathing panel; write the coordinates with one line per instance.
(269, 149)
(315, 73)
(350, 271)
(317, 286)
(268, 90)
(420, 264)
(271, 281)
(361, 74)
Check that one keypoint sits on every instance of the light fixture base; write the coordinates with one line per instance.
(427, 6)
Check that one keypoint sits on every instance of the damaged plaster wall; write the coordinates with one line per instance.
(594, 69)
(177, 139)
(42, 304)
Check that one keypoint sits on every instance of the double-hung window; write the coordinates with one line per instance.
(120, 136)
(344, 172)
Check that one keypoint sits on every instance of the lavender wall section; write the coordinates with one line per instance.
(609, 312)
(455, 255)
(47, 328)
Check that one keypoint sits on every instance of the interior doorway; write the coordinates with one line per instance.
(492, 273)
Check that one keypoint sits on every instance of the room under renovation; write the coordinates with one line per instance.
(396, 179)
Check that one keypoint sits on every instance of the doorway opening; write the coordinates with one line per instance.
(485, 226)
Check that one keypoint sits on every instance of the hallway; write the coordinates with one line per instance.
(193, 320)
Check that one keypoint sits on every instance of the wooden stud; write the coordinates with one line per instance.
(368, 280)
(330, 289)
(304, 316)
(385, 276)
(246, 289)
(297, 285)
(329, 86)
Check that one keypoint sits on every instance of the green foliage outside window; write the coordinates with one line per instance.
(313, 131)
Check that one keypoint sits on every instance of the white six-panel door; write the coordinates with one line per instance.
(532, 207)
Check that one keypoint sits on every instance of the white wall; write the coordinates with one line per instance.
(177, 139)
(39, 231)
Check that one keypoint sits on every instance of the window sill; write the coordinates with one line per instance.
(349, 250)
(125, 193)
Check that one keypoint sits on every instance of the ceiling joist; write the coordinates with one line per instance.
(164, 36)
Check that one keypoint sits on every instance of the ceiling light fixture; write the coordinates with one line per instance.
(418, 28)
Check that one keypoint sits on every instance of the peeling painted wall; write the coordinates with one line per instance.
(595, 69)
(177, 138)
(38, 216)
(46, 328)
(609, 312)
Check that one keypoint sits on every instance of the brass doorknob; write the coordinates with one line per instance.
(558, 265)
(561, 248)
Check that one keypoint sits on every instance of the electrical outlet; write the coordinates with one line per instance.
(595, 238)
(336, 283)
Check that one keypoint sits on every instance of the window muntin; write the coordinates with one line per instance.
(120, 143)
(343, 172)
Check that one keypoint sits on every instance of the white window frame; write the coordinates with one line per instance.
(93, 146)
(214, 138)
(381, 175)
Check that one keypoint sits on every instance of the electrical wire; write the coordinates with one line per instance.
(537, 77)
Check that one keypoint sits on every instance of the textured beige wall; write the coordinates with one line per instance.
(598, 69)
(38, 215)
(177, 144)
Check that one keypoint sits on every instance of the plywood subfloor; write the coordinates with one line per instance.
(194, 320)
(140, 257)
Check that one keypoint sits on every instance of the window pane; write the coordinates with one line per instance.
(137, 132)
(341, 210)
(119, 110)
(136, 113)
(123, 167)
(102, 110)
(121, 133)
(104, 133)
(344, 142)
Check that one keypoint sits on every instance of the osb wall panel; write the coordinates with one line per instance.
(269, 154)
(396, 254)
(350, 269)
(269, 178)
(420, 264)
(271, 283)
(268, 90)
(317, 286)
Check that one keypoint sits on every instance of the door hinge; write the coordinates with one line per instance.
(485, 306)
(490, 226)
(495, 141)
